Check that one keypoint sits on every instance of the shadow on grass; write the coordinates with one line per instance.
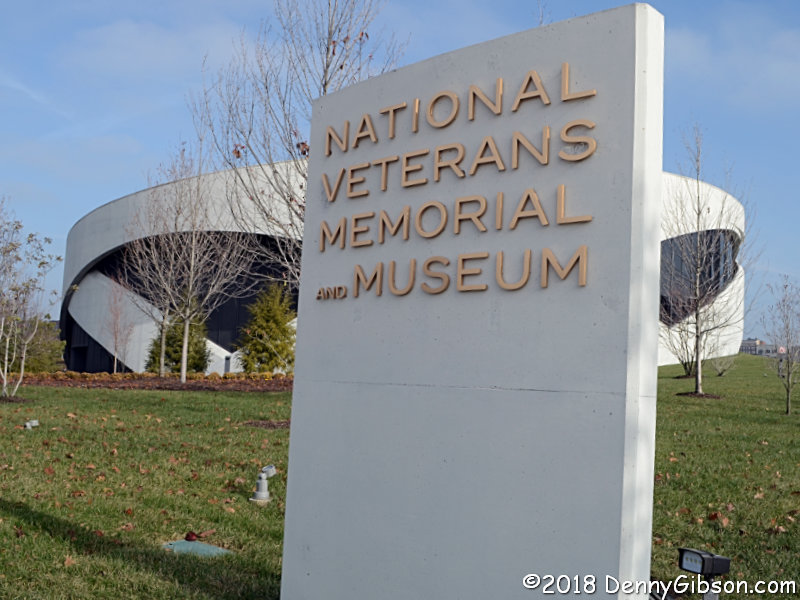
(221, 577)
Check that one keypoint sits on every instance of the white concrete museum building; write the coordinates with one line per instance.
(694, 215)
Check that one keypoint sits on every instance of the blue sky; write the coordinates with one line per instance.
(93, 94)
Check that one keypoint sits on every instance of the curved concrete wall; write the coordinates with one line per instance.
(109, 227)
(719, 211)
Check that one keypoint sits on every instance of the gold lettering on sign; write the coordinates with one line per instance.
(493, 157)
(331, 193)
(538, 90)
(341, 141)
(561, 210)
(360, 279)
(537, 210)
(383, 163)
(365, 129)
(495, 106)
(356, 229)
(390, 110)
(339, 233)
(517, 147)
(462, 272)
(549, 259)
(498, 211)
(412, 271)
(442, 219)
(526, 271)
(443, 277)
(517, 140)
(589, 142)
(385, 222)
(453, 109)
(406, 168)
(353, 181)
(566, 95)
(439, 163)
(474, 216)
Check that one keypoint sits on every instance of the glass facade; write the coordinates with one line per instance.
(695, 269)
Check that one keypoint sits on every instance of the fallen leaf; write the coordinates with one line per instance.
(730, 506)
(777, 530)
(207, 533)
(49, 471)
(69, 561)
(72, 415)
(230, 509)
(191, 537)
(128, 527)
(759, 496)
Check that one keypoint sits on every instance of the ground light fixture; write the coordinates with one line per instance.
(706, 564)
(261, 495)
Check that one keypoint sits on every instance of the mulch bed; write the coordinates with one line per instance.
(14, 400)
(696, 395)
(156, 383)
(270, 424)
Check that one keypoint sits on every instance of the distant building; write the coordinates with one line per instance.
(758, 347)
(752, 346)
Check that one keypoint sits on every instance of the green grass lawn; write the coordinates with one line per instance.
(88, 498)
(728, 474)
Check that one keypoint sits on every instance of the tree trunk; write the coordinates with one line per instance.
(22, 358)
(698, 363)
(185, 349)
(162, 370)
(115, 363)
(788, 399)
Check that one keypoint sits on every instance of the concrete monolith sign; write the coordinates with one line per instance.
(477, 335)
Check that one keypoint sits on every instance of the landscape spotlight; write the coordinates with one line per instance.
(703, 563)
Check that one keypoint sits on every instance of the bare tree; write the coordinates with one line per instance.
(704, 227)
(182, 260)
(118, 324)
(24, 262)
(257, 111)
(781, 323)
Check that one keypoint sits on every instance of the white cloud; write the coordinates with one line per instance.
(13, 84)
(746, 59)
(141, 53)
